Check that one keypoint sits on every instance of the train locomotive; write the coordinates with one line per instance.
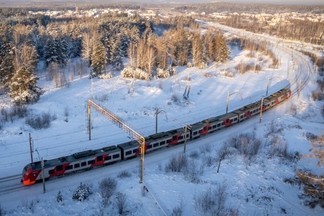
(96, 158)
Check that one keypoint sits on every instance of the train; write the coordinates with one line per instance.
(85, 160)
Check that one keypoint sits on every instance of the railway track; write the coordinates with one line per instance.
(305, 69)
(10, 184)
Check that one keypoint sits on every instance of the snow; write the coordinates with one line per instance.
(253, 187)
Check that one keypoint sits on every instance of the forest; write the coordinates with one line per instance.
(139, 47)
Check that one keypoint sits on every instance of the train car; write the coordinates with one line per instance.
(94, 158)
(129, 149)
(157, 141)
(213, 124)
(179, 136)
(68, 164)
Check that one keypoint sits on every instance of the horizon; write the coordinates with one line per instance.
(275, 2)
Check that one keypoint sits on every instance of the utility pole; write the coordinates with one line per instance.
(269, 80)
(227, 101)
(157, 112)
(185, 142)
(261, 107)
(31, 148)
(89, 120)
(43, 176)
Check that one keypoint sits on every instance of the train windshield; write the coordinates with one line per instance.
(25, 169)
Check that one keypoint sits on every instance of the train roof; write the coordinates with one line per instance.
(128, 145)
(158, 135)
(74, 157)
(220, 118)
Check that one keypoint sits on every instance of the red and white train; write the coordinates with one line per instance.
(107, 155)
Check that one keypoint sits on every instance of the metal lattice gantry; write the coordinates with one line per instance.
(118, 121)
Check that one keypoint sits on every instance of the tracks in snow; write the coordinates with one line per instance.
(10, 184)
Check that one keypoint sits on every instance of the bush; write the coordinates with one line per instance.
(177, 211)
(247, 144)
(136, 73)
(192, 173)
(82, 192)
(124, 174)
(107, 189)
(317, 95)
(212, 201)
(278, 147)
(59, 197)
(162, 73)
(194, 155)
(121, 203)
(42, 121)
(1, 211)
(177, 163)
(16, 112)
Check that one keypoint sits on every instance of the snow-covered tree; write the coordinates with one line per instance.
(6, 62)
(98, 58)
(22, 87)
(222, 49)
(25, 57)
(87, 45)
(56, 51)
(197, 51)
(116, 53)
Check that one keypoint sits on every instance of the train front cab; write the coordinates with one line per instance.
(31, 173)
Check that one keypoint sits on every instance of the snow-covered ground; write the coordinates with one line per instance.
(253, 187)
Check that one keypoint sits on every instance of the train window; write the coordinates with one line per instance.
(83, 164)
(99, 158)
(91, 162)
(115, 156)
(188, 135)
(235, 119)
(69, 167)
(149, 146)
(76, 166)
(134, 151)
(128, 152)
(181, 137)
(214, 126)
(156, 145)
(59, 168)
(162, 143)
(169, 141)
(51, 172)
(218, 125)
(108, 158)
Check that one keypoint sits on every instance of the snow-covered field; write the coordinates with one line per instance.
(253, 186)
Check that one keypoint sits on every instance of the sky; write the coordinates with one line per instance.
(303, 2)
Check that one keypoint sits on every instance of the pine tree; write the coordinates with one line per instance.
(87, 45)
(98, 59)
(56, 51)
(223, 51)
(116, 53)
(22, 87)
(6, 62)
(197, 51)
(161, 53)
